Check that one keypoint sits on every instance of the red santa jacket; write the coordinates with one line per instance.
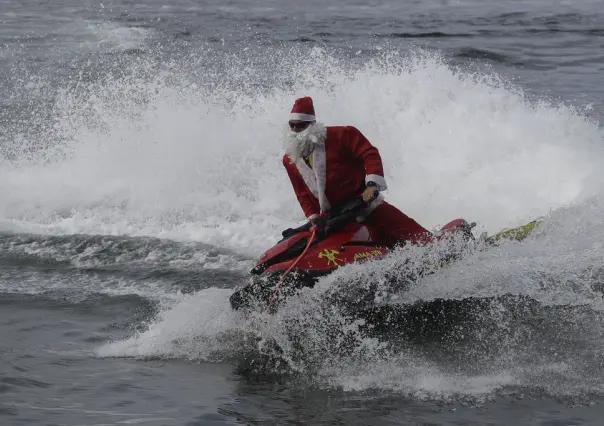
(341, 165)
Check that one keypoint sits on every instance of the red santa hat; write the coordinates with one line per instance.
(303, 110)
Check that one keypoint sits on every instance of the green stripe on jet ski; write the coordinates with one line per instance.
(517, 234)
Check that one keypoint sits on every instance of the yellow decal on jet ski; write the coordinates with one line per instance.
(331, 257)
(367, 254)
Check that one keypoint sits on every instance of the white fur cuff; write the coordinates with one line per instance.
(381, 182)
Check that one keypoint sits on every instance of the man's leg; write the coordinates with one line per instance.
(397, 227)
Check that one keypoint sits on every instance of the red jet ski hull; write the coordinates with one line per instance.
(353, 243)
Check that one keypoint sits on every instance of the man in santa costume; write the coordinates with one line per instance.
(330, 165)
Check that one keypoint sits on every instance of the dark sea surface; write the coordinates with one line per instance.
(140, 177)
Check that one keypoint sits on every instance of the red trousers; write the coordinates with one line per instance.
(395, 227)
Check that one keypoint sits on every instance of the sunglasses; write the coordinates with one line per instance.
(299, 126)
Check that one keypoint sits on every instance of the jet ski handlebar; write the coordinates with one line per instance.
(336, 218)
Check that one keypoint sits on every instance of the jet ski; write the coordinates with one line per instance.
(301, 257)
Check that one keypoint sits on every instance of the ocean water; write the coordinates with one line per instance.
(140, 177)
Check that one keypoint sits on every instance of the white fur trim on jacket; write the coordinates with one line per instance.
(316, 178)
(308, 175)
(320, 169)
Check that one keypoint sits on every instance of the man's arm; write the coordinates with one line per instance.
(361, 148)
(302, 192)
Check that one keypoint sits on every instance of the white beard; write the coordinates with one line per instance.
(301, 144)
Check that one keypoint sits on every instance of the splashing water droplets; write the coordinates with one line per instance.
(172, 149)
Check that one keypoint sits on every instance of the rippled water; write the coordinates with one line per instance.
(140, 177)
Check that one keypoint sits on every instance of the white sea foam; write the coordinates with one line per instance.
(194, 163)
(196, 328)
